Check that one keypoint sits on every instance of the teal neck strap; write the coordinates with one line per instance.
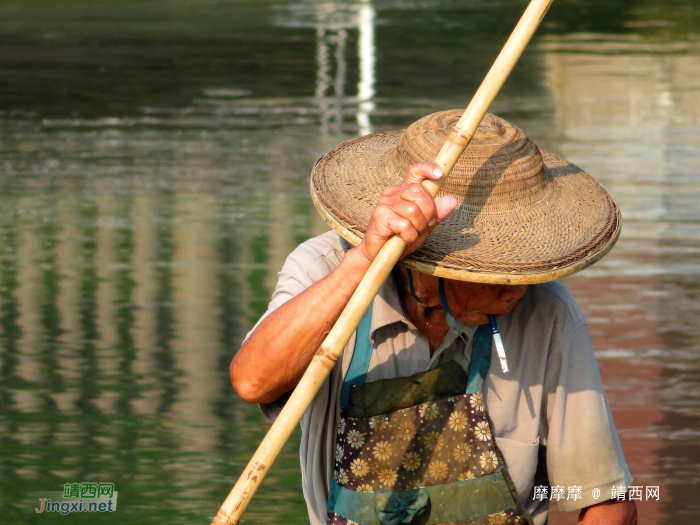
(451, 321)
(481, 345)
(411, 288)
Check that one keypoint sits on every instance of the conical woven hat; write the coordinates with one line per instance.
(524, 216)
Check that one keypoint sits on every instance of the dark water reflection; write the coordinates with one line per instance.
(153, 176)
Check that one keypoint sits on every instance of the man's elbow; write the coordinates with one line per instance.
(249, 389)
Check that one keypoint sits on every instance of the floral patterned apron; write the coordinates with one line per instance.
(415, 453)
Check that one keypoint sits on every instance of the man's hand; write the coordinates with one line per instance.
(273, 359)
(611, 512)
(407, 210)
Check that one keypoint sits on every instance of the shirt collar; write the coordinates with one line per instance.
(387, 307)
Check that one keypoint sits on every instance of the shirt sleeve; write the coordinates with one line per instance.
(583, 450)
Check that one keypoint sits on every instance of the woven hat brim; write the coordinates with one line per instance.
(574, 225)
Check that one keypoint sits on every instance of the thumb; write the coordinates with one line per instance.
(445, 205)
(421, 171)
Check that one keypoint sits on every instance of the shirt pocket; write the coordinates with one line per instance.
(521, 460)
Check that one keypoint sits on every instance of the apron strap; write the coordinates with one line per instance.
(357, 372)
(481, 359)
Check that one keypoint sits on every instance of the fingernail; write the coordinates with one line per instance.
(432, 222)
(437, 172)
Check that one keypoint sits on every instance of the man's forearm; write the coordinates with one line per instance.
(610, 512)
(275, 356)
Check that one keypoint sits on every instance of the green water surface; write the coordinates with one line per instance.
(154, 161)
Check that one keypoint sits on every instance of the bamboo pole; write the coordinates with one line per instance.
(237, 501)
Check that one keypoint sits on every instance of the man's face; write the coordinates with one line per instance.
(469, 302)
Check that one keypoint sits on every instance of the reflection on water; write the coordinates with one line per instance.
(639, 132)
(152, 188)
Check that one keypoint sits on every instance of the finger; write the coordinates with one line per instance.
(411, 210)
(403, 228)
(421, 171)
(419, 195)
(445, 205)
(414, 193)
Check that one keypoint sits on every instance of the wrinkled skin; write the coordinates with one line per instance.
(469, 302)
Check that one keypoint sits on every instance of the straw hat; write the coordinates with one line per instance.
(524, 215)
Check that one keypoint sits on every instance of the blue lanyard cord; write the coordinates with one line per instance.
(451, 321)
(411, 289)
(481, 344)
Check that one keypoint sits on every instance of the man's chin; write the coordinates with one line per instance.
(496, 313)
(475, 319)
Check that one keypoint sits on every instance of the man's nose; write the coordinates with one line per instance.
(508, 292)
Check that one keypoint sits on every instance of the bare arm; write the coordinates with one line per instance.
(275, 356)
(609, 512)
(273, 359)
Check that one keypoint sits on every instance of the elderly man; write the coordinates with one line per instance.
(419, 422)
